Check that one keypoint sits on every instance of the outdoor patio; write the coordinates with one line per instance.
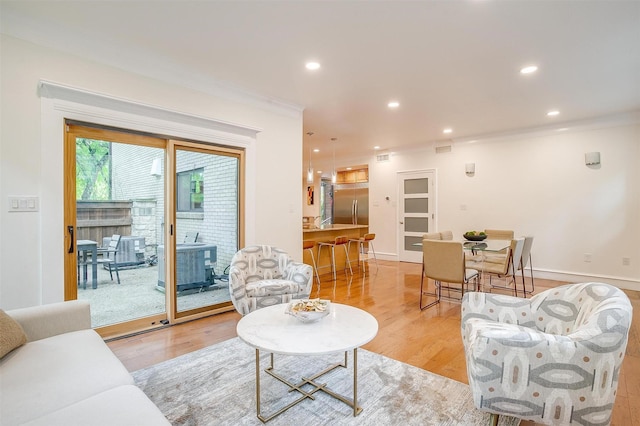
(137, 295)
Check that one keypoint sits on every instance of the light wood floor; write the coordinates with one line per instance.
(427, 339)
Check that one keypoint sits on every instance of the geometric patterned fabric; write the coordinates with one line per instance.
(554, 358)
(261, 276)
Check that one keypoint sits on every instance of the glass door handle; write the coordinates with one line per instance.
(70, 229)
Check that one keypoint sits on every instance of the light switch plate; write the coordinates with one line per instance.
(24, 204)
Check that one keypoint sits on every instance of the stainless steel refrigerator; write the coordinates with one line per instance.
(351, 203)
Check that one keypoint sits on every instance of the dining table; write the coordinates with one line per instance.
(486, 245)
(84, 248)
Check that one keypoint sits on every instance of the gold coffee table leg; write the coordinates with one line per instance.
(311, 381)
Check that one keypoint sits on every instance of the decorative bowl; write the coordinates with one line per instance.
(474, 237)
(309, 310)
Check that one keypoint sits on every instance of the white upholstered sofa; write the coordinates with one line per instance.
(65, 374)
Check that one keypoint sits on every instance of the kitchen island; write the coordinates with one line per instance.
(328, 233)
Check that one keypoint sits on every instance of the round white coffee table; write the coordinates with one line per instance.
(270, 329)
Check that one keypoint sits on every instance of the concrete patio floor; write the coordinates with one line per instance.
(137, 296)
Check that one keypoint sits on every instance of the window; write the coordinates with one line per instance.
(190, 191)
(93, 169)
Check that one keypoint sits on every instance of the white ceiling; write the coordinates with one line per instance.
(449, 63)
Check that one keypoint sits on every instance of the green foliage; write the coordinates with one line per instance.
(93, 177)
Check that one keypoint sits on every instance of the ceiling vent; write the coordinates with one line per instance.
(443, 149)
(382, 158)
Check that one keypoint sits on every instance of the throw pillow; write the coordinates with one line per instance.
(11, 334)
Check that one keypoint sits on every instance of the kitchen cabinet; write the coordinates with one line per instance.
(353, 176)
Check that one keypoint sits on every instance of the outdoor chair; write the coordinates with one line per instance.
(191, 237)
(108, 259)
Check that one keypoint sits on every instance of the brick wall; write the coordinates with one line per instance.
(216, 224)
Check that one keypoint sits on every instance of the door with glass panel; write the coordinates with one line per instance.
(206, 218)
(150, 227)
(114, 212)
(416, 212)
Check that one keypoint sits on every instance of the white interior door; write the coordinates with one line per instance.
(416, 205)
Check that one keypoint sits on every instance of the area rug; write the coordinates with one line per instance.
(216, 386)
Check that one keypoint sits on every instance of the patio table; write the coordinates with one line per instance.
(85, 246)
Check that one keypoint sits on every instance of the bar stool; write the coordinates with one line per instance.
(309, 245)
(339, 241)
(366, 239)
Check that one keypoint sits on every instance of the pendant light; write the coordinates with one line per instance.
(334, 174)
(310, 169)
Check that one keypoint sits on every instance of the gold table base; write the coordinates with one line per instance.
(353, 403)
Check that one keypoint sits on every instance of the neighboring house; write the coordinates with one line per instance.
(212, 180)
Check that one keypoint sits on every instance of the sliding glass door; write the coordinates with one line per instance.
(151, 225)
(206, 224)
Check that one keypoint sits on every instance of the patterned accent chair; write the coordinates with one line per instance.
(554, 358)
(261, 276)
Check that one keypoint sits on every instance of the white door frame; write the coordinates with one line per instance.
(415, 256)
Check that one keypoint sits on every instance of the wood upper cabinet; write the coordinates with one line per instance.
(353, 176)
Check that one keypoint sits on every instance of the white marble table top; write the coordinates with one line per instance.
(270, 329)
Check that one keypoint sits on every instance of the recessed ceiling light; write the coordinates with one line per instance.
(316, 150)
(376, 147)
(447, 131)
(319, 172)
(393, 104)
(529, 69)
(348, 168)
(553, 113)
(312, 66)
(564, 129)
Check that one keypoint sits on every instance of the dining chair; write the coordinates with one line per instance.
(109, 254)
(499, 234)
(525, 260)
(507, 269)
(443, 236)
(444, 261)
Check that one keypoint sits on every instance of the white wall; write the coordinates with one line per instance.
(31, 244)
(535, 185)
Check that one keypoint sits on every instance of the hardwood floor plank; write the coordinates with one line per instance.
(428, 339)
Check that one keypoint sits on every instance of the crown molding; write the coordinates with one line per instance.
(57, 91)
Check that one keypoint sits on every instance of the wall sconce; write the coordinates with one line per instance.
(592, 158)
(470, 169)
(156, 168)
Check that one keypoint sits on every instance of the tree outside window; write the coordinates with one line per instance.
(93, 169)
(190, 190)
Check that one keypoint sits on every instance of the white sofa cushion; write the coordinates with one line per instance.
(122, 406)
(45, 375)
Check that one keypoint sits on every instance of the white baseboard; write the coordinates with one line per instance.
(576, 277)
(568, 276)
